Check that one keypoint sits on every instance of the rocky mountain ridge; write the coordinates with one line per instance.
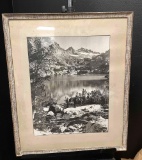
(49, 58)
(71, 56)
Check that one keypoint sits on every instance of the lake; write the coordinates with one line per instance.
(59, 87)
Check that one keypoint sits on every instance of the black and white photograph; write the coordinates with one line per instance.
(69, 78)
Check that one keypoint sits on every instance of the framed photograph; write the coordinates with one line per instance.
(69, 80)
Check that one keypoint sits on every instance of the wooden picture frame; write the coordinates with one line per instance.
(78, 47)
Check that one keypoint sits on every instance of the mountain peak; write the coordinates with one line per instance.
(85, 50)
(70, 49)
(55, 45)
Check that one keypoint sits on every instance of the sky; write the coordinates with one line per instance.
(95, 43)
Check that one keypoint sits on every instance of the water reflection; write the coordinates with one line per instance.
(60, 87)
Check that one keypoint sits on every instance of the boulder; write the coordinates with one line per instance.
(56, 130)
(46, 109)
(66, 116)
(59, 115)
(50, 113)
(72, 128)
(94, 127)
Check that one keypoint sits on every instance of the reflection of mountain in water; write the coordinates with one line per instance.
(61, 86)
